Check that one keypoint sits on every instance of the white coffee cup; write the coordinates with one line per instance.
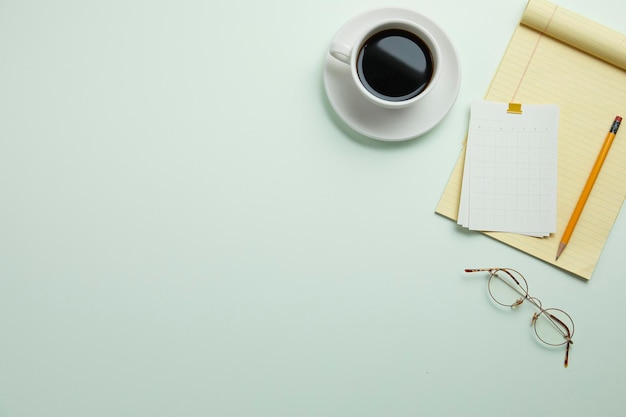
(388, 58)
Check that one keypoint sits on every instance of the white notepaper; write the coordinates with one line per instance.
(510, 173)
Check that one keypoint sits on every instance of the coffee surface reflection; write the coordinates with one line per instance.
(395, 65)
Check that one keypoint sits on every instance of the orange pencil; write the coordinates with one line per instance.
(587, 190)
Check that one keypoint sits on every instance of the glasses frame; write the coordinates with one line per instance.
(521, 287)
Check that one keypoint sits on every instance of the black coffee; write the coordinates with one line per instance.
(395, 65)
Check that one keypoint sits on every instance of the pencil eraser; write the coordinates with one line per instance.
(618, 119)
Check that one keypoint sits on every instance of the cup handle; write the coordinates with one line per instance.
(340, 51)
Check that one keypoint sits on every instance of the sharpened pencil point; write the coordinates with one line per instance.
(560, 250)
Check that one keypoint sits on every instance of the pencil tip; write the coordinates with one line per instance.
(560, 250)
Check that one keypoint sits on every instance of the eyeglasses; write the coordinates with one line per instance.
(509, 288)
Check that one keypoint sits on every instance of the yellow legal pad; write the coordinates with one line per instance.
(557, 56)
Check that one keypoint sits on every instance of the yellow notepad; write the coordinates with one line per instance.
(557, 56)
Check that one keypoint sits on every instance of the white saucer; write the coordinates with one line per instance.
(391, 124)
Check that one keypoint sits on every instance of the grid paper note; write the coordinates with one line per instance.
(510, 172)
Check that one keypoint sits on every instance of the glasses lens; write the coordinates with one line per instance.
(554, 327)
(507, 287)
